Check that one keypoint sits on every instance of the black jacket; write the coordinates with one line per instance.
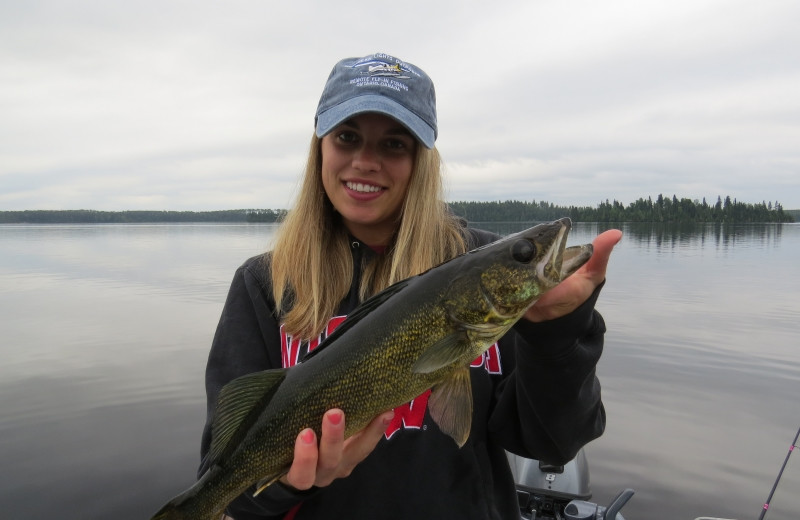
(536, 395)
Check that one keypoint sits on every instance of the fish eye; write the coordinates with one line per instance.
(523, 251)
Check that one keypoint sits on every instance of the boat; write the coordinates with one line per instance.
(547, 491)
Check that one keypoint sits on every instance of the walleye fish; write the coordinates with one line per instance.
(420, 333)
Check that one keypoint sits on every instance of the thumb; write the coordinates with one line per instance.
(603, 244)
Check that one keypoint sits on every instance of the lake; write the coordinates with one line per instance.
(106, 330)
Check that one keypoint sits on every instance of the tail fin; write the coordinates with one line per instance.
(190, 505)
(175, 510)
(169, 512)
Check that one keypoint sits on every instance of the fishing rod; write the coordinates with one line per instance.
(780, 473)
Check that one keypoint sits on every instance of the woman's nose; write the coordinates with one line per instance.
(367, 159)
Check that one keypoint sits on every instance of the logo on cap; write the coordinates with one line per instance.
(380, 73)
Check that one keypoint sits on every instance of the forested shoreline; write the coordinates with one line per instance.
(662, 209)
(87, 216)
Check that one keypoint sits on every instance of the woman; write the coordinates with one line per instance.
(370, 213)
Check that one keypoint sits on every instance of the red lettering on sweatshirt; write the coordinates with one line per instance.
(490, 360)
(409, 415)
(335, 322)
(293, 350)
(290, 349)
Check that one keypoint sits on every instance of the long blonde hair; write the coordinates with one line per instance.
(312, 266)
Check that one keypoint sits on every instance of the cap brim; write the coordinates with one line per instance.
(334, 116)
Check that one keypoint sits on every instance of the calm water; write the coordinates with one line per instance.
(106, 329)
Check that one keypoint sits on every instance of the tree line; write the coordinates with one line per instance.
(663, 209)
(86, 216)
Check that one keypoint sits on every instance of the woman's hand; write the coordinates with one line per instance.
(572, 292)
(334, 457)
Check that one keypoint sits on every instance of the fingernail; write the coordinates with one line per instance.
(335, 418)
(387, 419)
(307, 436)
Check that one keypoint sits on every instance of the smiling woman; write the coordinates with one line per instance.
(371, 213)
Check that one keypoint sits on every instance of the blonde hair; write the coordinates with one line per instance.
(312, 266)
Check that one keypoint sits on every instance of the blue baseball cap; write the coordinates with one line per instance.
(379, 83)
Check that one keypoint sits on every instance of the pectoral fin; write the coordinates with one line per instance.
(239, 404)
(450, 405)
(444, 352)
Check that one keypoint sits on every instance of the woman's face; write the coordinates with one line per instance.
(366, 168)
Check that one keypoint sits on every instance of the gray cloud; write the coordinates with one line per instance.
(200, 105)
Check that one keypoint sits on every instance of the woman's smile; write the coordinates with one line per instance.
(360, 188)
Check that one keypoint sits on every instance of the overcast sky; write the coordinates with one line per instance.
(201, 105)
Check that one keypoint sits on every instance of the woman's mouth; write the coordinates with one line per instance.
(362, 188)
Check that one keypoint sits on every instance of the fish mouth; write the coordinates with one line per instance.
(574, 257)
(561, 261)
(537, 268)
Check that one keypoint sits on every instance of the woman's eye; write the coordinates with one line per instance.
(347, 137)
(400, 145)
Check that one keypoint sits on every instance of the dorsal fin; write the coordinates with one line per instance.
(239, 404)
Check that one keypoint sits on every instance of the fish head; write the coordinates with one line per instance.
(514, 272)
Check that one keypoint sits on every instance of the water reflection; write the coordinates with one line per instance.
(689, 235)
(669, 235)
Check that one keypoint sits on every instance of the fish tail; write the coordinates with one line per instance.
(180, 507)
(170, 511)
(175, 510)
(189, 505)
